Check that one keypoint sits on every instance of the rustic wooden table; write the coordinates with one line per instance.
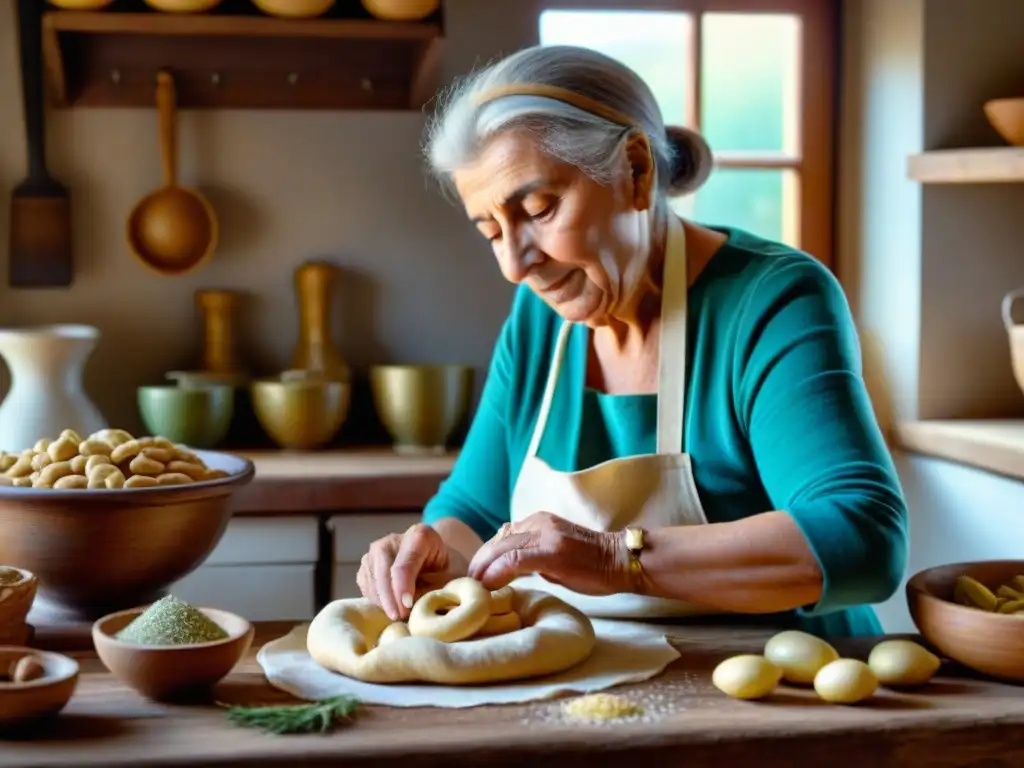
(954, 721)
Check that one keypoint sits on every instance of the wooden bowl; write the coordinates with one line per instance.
(1007, 117)
(301, 413)
(44, 696)
(294, 9)
(96, 552)
(421, 405)
(990, 643)
(16, 600)
(182, 6)
(401, 10)
(169, 672)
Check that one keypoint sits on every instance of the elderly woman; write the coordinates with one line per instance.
(674, 422)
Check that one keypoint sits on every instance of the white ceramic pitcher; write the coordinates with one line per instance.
(47, 395)
(1016, 333)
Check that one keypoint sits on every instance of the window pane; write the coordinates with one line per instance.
(750, 82)
(655, 45)
(761, 201)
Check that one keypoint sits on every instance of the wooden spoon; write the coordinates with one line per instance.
(172, 230)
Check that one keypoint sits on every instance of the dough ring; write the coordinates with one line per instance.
(501, 600)
(500, 624)
(455, 612)
(555, 636)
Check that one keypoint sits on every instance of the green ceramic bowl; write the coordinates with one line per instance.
(198, 417)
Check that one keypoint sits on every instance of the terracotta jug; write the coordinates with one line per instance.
(315, 350)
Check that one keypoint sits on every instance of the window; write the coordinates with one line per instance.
(756, 77)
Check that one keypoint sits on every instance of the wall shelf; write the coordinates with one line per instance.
(109, 59)
(968, 166)
(996, 446)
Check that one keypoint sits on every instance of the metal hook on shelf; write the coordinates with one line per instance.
(366, 84)
(215, 79)
(115, 76)
(293, 78)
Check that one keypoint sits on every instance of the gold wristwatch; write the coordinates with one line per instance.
(635, 546)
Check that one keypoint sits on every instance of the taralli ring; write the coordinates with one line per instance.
(457, 611)
(500, 624)
(501, 600)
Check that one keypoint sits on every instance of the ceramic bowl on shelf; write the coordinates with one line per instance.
(990, 643)
(199, 417)
(81, 5)
(167, 672)
(1007, 117)
(294, 9)
(301, 410)
(42, 697)
(421, 405)
(182, 6)
(98, 551)
(401, 10)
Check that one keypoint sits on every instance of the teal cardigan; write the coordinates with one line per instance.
(777, 418)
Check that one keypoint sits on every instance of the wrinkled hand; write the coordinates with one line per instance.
(577, 558)
(398, 568)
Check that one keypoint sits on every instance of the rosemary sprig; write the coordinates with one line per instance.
(316, 717)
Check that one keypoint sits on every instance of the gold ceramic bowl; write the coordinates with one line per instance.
(294, 9)
(301, 414)
(98, 551)
(182, 6)
(421, 405)
(401, 10)
(1007, 117)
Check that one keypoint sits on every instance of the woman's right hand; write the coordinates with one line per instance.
(397, 564)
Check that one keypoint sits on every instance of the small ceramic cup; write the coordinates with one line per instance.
(17, 593)
(198, 417)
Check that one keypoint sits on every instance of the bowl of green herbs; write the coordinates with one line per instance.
(171, 650)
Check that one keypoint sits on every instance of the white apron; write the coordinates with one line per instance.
(652, 490)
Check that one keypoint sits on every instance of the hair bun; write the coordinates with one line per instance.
(691, 160)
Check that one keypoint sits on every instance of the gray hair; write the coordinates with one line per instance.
(461, 127)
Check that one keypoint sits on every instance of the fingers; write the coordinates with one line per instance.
(418, 544)
(503, 558)
(381, 572)
(514, 562)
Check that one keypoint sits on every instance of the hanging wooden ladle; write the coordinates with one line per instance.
(172, 230)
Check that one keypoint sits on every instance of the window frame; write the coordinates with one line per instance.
(818, 121)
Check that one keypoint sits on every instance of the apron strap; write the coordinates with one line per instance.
(549, 388)
(672, 343)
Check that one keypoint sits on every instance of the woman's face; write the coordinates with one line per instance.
(578, 244)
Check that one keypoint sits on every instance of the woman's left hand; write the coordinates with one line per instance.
(577, 558)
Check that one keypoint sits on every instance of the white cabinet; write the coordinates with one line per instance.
(263, 569)
(353, 535)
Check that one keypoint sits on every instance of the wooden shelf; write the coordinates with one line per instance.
(996, 446)
(108, 59)
(968, 166)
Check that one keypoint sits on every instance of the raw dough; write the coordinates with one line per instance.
(393, 632)
(455, 612)
(501, 600)
(500, 624)
(344, 638)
